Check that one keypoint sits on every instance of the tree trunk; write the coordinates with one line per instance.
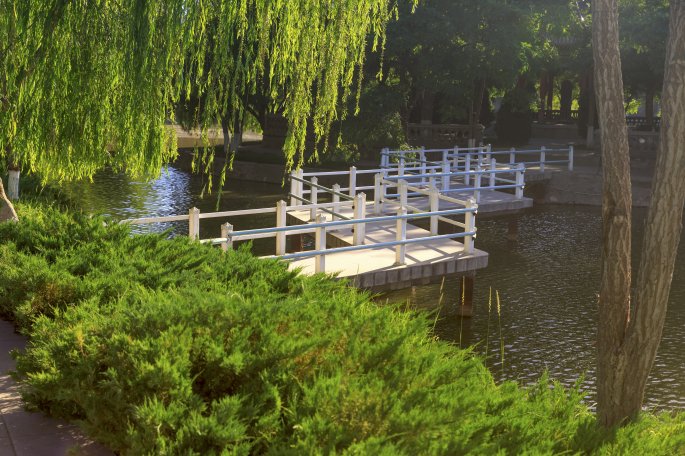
(627, 348)
(13, 183)
(7, 212)
(566, 99)
(592, 110)
(237, 133)
(476, 108)
(427, 103)
(613, 405)
(662, 233)
(649, 109)
(550, 91)
(225, 129)
(542, 95)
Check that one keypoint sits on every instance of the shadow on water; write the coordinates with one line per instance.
(548, 281)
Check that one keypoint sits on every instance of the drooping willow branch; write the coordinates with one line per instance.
(110, 73)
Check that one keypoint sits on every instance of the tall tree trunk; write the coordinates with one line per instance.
(627, 348)
(542, 95)
(614, 295)
(592, 110)
(476, 108)
(13, 181)
(237, 133)
(649, 109)
(550, 91)
(663, 230)
(226, 130)
(566, 99)
(7, 212)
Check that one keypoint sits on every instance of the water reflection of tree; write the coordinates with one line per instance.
(119, 196)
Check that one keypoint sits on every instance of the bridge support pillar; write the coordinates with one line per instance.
(296, 243)
(513, 229)
(465, 305)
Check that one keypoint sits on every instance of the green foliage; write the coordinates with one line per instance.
(169, 347)
(378, 123)
(514, 118)
(90, 84)
(643, 32)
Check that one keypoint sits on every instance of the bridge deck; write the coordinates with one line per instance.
(376, 269)
(491, 201)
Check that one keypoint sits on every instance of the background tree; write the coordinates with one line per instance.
(629, 336)
(458, 49)
(644, 28)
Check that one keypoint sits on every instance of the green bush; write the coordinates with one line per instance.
(170, 347)
(319, 370)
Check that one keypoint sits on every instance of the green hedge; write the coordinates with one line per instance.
(169, 347)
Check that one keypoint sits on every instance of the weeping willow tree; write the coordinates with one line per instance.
(87, 84)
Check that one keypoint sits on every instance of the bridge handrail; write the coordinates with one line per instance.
(460, 155)
(320, 227)
(379, 245)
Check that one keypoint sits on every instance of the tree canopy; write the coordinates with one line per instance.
(90, 83)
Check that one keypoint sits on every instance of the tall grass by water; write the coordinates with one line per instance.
(164, 346)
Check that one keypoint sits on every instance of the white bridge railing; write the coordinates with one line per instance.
(467, 158)
(321, 224)
(405, 180)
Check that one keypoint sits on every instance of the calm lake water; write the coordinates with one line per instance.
(547, 281)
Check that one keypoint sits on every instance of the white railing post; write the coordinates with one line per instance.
(336, 199)
(226, 233)
(520, 182)
(434, 198)
(293, 190)
(512, 156)
(300, 185)
(400, 165)
(470, 222)
(467, 169)
(402, 190)
(446, 174)
(493, 168)
(377, 193)
(431, 179)
(422, 157)
(194, 223)
(385, 157)
(384, 188)
(281, 211)
(455, 160)
(570, 156)
(353, 181)
(314, 197)
(476, 186)
(401, 236)
(359, 229)
(320, 245)
(542, 159)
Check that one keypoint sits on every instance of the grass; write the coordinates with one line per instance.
(160, 346)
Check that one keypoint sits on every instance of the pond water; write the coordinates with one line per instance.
(547, 281)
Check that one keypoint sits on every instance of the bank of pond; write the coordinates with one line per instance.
(166, 346)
